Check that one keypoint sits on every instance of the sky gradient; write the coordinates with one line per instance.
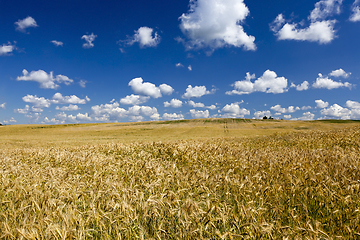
(118, 61)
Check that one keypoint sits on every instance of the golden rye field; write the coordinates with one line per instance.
(197, 179)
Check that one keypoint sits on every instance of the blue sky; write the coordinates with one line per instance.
(78, 61)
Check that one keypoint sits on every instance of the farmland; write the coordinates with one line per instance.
(193, 179)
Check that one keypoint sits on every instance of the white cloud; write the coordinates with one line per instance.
(2, 105)
(319, 30)
(46, 80)
(233, 110)
(22, 110)
(352, 104)
(145, 37)
(196, 105)
(211, 107)
(11, 120)
(175, 103)
(134, 100)
(197, 91)
(83, 117)
(139, 111)
(172, 116)
(301, 87)
(89, 40)
(57, 43)
(340, 73)
(321, 104)
(179, 65)
(82, 83)
(269, 82)
(166, 89)
(58, 98)
(355, 16)
(307, 116)
(108, 112)
(325, 82)
(215, 24)
(306, 107)
(199, 114)
(287, 116)
(190, 68)
(279, 109)
(355, 109)
(7, 49)
(336, 111)
(36, 101)
(112, 112)
(149, 89)
(71, 107)
(261, 114)
(25, 23)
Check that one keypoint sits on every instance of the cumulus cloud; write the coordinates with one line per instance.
(199, 114)
(134, 100)
(233, 110)
(325, 82)
(25, 23)
(319, 30)
(38, 102)
(47, 81)
(2, 105)
(11, 120)
(174, 103)
(7, 49)
(89, 40)
(136, 113)
(307, 116)
(58, 98)
(179, 65)
(355, 109)
(197, 91)
(352, 104)
(355, 16)
(172, 116)
(108, 112)
(269, 82)
(301, 87)
(112, 112)
(22, 110)
(340, 73)
(279, 109)
(261, 114)
(321, 104)
(57, 43)
(145, 37)
(197, 105)
(287, 116)
(190, 68)
(71, 107)
(215, 24)
(336, 111)
(166, 89)
(83, 117)
(149, 89)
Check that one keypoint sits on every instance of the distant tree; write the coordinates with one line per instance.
(265, 117)
(271, 117)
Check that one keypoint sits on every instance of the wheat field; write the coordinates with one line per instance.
(184, 180)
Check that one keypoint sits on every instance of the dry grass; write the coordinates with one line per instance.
(301, 185)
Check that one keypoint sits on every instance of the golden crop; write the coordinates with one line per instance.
(282, 186)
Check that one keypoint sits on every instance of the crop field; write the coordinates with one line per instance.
(196, 179)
